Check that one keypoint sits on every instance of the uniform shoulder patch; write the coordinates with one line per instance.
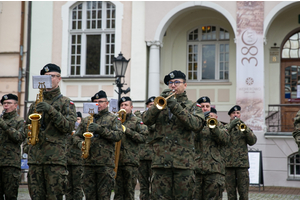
(141, 122)
(119, 118)
(198, 105)
(71, 102)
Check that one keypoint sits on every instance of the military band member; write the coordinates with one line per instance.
(136, 133)
(47, 175)
(237, 162)
(146, 154)
(296, 132)
(98, 173)
(11, 137)
(173, 144)
(210, 166)
(75, 168)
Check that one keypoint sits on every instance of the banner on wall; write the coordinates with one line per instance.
(250, 63)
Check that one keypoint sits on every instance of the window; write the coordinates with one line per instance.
(294, 166)
(208, 53)
(291, 48)
(92, 38)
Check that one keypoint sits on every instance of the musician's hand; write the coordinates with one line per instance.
(43, 107)
(3, 124)
(206, 114)
(234, 123)
(165, 93)
(93, 127)
(171, 102)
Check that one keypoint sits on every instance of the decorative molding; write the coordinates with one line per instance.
(156, 43)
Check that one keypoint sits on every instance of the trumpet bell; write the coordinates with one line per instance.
(242, 127)
(212, 122)
(160, 102)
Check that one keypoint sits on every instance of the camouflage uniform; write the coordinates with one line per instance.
(75, 169)
(210, 166)
(173, 146)
(10, 158)
(98, 174)
(47, 176)
(237, 163)
(136, 132)
(146, 154)
(296, 132)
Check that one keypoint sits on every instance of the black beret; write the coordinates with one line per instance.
(79, 114)
(99, 95)
(9, 96)
(174, 74)
(151, 99)
(234, 108)
(213, 110)
(204, 99)
(123, 99)
(50, 68)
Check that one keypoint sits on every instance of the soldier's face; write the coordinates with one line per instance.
(78, 120)
(235, 114)
(205, 107)
(55, 77)
(126, 106)
(10, 105)
(213, 115)
(150, 104)
(102, 103)
(179, 87)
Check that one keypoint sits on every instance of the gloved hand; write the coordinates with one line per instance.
(3, 124)
(206, 114)
(171, 102)
(234, 123)
(43, 107)
(93, 127)
(165, 93)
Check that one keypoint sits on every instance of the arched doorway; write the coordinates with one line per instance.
(290, 79)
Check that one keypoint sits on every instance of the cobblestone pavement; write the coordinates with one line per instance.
(278, 193)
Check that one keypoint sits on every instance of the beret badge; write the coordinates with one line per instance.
(204, 99)
(5, 97)
(235, 108)
(97, 96)
(123, 99)
(172, 75)
(47, 69)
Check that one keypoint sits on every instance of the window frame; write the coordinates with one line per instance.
(293, 176)
(217, 42)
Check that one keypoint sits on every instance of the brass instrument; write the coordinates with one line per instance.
(161, 102)
(86, 145)
(241, 126)
(34, 127)
(211, 122)
(122, 116)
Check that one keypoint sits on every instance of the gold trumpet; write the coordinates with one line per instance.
(211, 122)
(122, 116)
(86, 145)
(161, 102)
(34, 127)
(241, 126)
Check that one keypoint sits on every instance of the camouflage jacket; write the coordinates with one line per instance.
(296, 132)
(209, 143)
(173, 143)
(236, 152)
(11, 139)
(73, 152)
(102, 150)
(146, 149)
(136, 133)
(55, 125)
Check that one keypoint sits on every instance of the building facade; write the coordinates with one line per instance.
(244, 53)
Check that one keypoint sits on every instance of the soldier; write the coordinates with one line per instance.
(296, 132)
(98, 173)
(75, 169)
(173, 144)
(135, 133)
(210, 166)
(146, 154)
(237, 163)
(11, 137)
(47, 175)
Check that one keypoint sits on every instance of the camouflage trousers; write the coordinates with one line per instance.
(145, 174)
(9, 183)
(171, 184)
(98, 182)
(209, 186)
(237, 177)
(74, 185)
(47, 181)
(125, 182)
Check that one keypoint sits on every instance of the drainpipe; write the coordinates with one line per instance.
(21, 55)
(27, 58)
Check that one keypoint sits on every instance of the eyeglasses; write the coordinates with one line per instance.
(175, 82)
(53, 76)
(100, 101)
(8, 103)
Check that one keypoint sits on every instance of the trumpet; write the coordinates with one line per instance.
(211, 122)
(35, 117)
(161, 102)
(241, 126)
(86, 145)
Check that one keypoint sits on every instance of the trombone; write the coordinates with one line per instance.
(161, 102)
(241, 126)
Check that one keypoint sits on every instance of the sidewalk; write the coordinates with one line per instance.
(269, 193)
